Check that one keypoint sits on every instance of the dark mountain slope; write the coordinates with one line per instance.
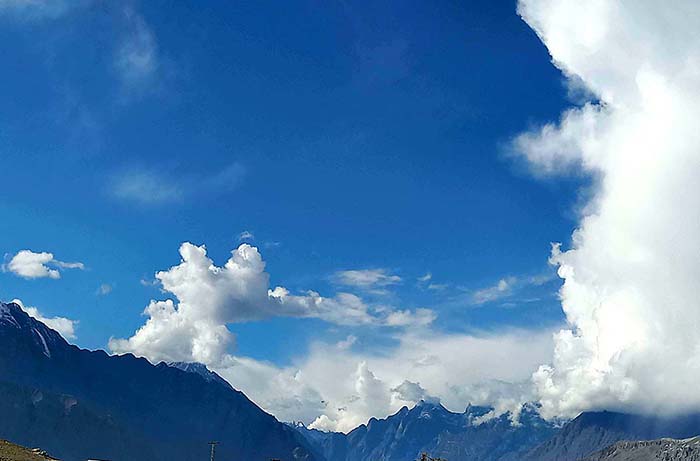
(62, 424)
(594, 431)
(174, 411)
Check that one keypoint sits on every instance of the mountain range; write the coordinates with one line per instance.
(651, 450)
(430, 427)
(468, 436)
(78, 404)
(592, 431)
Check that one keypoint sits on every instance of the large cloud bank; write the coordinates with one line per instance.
(631, 289)
(337, 388)
(333, 385)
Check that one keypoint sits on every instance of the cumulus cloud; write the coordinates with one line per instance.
(630, 292)
(30, 265)
(333, 386)
(366, 278)
(409, 391)
(64, 326)
(209, 297)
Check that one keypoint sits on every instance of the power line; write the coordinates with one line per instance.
(213, 449)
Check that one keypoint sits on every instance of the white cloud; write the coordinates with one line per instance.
(366, 278)
(411, 392)
(151, 187)
(507, 287)
(335, 388)
(104, 289)
(425, 282)
(246, 235)
(146, 187)
(347, 343)
(335, 385)
(502, 289)
(437, 286)
(64, 326)
(36, 9)
(631, 294)
(136, 58)
(30, 265)
(403, 318)
(194, 328)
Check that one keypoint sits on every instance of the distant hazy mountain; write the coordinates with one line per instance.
(458, 437)
(651, 450)
(431, 428)
(79, 404)
(593, 431)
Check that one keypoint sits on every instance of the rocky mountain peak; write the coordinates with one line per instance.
(201, 370)
(15, 321)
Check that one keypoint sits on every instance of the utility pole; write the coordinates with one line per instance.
(213, 449)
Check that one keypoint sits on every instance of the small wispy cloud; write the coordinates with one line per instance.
(149, 282)
(506, 287)
(346, 343)
(425, 282)
(437, 286)
(246, 236)
(104, 289)
(148, 186)
(501, 289)
(366, 278)
(34, 10)
(31, 265)
(416, 318)
(136, 57)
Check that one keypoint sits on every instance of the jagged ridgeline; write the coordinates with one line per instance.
(431, 428)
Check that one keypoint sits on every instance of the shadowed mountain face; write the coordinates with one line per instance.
(431, 428)
(80, 404)
(593, 431)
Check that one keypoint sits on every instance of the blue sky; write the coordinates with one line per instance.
(342, 136)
